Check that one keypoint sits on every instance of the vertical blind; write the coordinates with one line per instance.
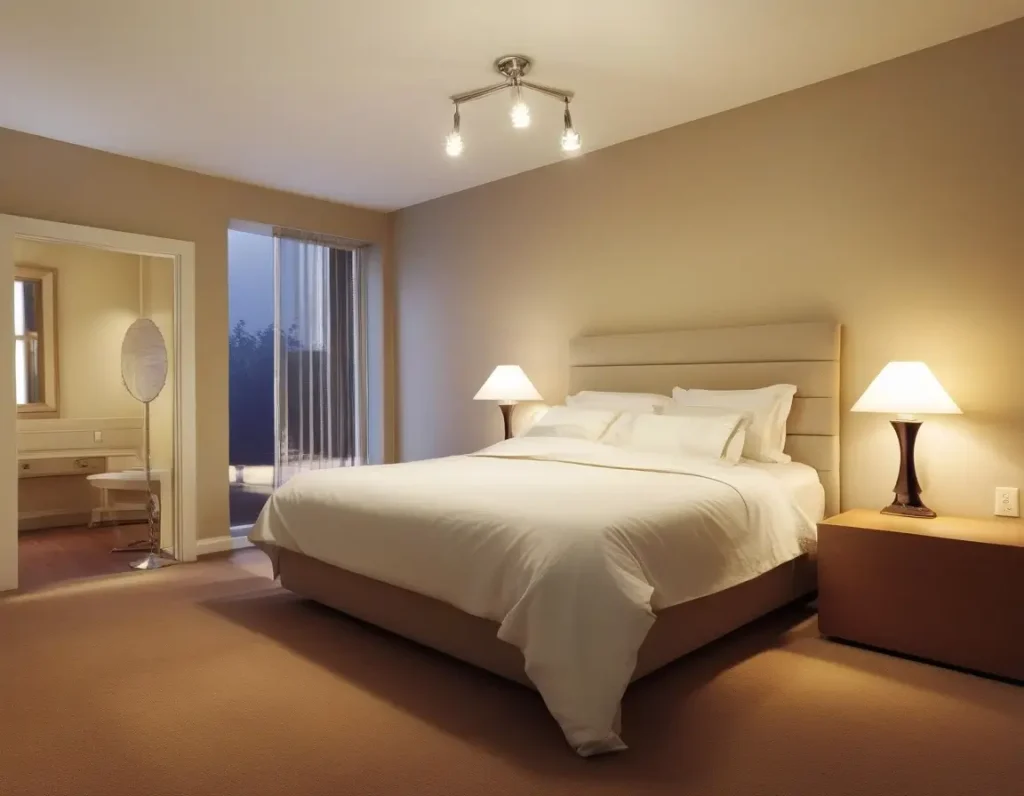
(320, 360)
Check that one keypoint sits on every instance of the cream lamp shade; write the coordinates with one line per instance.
(507, 384)
(906, 389)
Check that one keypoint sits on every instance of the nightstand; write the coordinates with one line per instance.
(949, 590)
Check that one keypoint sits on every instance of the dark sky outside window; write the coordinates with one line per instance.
(251, 353)
(250, 280)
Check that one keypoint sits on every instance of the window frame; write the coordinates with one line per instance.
(46, 338)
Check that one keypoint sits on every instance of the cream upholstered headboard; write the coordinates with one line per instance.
(733, 358)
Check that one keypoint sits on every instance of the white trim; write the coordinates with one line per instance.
(8, 422)
(183, 509)
(221, 544)
(61, 425)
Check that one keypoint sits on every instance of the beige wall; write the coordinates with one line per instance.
(156, 299)
(157, 304)
(890, 199)
(97, 300)
(46, 179)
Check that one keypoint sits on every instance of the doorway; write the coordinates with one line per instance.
(67, 414)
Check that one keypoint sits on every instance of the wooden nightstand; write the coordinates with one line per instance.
(949, 590)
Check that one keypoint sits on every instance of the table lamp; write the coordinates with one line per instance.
(906, 389)
(507, 384)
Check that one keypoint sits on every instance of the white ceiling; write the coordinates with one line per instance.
(348, 100)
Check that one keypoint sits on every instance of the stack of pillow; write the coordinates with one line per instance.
(718, 424)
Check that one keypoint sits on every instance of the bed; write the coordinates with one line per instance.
(377, 544)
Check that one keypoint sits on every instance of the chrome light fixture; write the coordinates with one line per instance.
(514, 68)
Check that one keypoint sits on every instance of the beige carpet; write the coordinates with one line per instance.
(208, 679)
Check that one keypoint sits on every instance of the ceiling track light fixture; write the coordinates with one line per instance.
(514, 68)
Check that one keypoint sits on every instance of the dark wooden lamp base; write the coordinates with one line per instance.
(903, 510)
(506, 416)
(907, 501)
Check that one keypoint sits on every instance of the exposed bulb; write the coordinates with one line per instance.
(570, 138)
(520, 114)
(570, 141)
(453, 144)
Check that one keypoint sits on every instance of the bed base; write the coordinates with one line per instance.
(677, 631)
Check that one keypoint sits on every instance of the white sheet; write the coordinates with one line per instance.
(802, 483)
(570, 545)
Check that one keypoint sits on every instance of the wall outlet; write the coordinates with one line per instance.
(1007, 501)
(97, 436)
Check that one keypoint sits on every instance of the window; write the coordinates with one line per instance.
(35, 342)
(298, 350)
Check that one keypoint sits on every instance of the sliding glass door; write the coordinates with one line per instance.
(320, 364)
(297, 363)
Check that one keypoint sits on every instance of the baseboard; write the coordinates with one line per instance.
(221, 544)
(39, 520)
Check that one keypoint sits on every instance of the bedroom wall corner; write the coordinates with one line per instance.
(380, 296)
(888, 200)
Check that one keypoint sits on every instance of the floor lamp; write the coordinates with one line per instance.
(144, 372)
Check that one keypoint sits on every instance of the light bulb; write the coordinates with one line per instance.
(570, 141)
(453, 144)
(570, 138)
(520, 114)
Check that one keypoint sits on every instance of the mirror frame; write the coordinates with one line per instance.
(49, 407)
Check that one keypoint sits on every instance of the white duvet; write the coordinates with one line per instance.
(569, 545)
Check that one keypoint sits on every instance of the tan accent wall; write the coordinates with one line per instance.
(40, 178)
(157, 303)
(97, 300)
(890, 199)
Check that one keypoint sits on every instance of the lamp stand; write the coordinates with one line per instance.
(155, 558)
(506, 415)
(907, 502)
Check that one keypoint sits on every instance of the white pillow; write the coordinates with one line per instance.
(621, 431)
(692, 431)
(769, 408)
(734, 449)
(562, 421)
(635, 402)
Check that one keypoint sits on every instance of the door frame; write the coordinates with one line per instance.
(182, 541)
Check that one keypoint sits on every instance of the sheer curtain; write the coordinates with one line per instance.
(320, 359)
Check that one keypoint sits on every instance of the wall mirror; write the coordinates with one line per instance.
(35, 342)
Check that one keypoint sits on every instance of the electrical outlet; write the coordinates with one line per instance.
(97, 436)
(1007, 501)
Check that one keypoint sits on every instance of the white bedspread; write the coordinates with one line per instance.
(569, 545)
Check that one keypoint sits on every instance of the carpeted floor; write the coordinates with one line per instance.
(208, 679)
